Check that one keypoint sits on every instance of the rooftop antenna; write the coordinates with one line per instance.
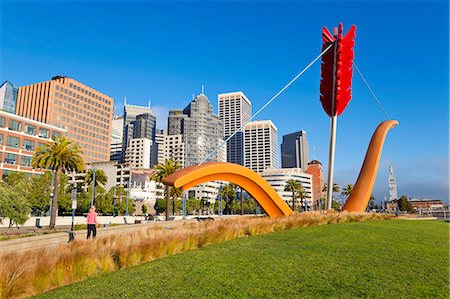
(149, 103)
(193, 97)
(124, 101)
(314, 150)
(203, 89)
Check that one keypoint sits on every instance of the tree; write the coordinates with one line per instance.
(160, 205)
(177, 193)
(65, 198)
(59, 155)
(242, 201)
(250, 205)
(192, 205)
(405, 205)
(347, 190)
(336, 205)
(108, 198)
(302, 194)
(371, 204)
(336, 189)
(122, 206)
(293, 186)
(229, 193)
(40, 191)
(14, 205)
(101, 179)
(144, 209)
(161, 171)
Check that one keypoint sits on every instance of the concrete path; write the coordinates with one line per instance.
(54, 239)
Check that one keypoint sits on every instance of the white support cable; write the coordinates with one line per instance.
(371, 91)
(267, 104)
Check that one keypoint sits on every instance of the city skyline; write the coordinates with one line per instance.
(421, 167)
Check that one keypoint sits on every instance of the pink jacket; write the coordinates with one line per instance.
(92, 218)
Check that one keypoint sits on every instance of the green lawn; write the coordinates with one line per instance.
(382, 259)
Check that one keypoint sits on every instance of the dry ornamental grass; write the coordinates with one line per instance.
(34, 272)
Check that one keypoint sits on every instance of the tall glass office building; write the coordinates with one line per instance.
(202, 131)
(8, 97)
(139, 122)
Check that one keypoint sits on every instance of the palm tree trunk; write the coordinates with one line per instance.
(55, 200)
(242, 201)
(167, 203)
(293, 201)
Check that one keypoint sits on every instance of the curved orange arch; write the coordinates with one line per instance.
(360, 196)
(252, 182)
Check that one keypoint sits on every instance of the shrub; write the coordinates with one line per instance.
(33, 272)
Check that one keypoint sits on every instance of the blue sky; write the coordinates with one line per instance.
(165, 51)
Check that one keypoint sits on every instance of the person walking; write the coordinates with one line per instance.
(92, 223)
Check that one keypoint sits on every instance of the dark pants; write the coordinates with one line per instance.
(91, 228)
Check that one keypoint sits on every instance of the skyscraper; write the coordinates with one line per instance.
(116, 138)
(261, 145)
(202, 131)
(295, 150)
(8, 97)
(392, 185)
(139, 122)
(235, 109)
(84, 112)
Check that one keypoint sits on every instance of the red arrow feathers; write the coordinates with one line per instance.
(340, 94)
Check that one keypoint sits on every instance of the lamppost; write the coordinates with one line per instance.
(52, 189)
(93, 186)
(74, 207)
(184, 204)
(129, 193)
(114, 202)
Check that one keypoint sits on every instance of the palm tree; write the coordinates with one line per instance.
(59, 155)
(242, 201)
(301, 193)
(176, 193)
(347, 190)
(293, 186)
(161, 171)
(229, 193)
(100, 177)
(335, 188)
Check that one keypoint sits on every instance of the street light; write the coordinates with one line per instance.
(52, 187)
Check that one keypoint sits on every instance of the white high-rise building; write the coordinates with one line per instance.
(116, 138)
(278, 178)
(261, 145)
(138, 153)
(235, 109)
(392, 185)
(174, 148)
(160, 140)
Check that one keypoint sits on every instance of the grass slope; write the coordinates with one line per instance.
(377, 259)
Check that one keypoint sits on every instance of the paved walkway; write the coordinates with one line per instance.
(54, 239)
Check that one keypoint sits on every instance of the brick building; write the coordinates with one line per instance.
(315, 169)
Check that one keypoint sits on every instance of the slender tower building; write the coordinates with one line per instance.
(392, 185)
